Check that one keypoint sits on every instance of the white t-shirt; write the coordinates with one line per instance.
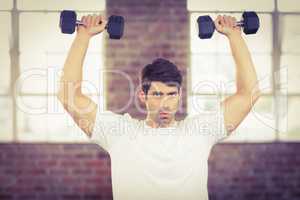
(158, 163)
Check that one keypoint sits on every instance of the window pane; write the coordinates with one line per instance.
(293, 132)
(261, 42)
(230, 5)
(259, 124)
(4, 72)
(44, 119)
(32, 81)
(288, 5)
(6, 4)
(61, 5)
(42, 75)
(41, 64)
(6, 130)
(212, 71)
(198, 104)
(291, 64)
(290, 34)
(92, 72)
(5, 32)
(47, 37)
(42, 37)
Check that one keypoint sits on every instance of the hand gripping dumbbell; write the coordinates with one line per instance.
(249, 22)
(68, 22)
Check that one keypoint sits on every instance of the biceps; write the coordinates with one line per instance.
(236, 108)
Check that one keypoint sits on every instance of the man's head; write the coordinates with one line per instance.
(161, 90)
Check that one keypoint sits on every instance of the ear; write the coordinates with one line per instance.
(180, 92)
(142, 96)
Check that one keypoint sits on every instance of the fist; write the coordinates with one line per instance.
(92, 25)
(227, 25)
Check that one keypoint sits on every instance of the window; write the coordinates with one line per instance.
(230, 5)
(4, 53)
(288, 5)
(6, 127)
(42, 51)
(6, 5)
(290, 56)
(54, 5)
(212, 68)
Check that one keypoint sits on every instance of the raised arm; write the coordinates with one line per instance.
(81, 108)
(237, 106)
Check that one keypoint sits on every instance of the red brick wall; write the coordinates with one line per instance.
(54, 171)
(250, 171)
(82, 171)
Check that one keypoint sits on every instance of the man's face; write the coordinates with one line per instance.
(162, 102)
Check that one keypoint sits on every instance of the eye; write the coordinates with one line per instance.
(173, 94)
(156, 94)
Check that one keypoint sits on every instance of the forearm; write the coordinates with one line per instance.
(73, 66)
(246, 77)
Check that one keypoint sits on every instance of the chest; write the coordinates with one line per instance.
(163, 156)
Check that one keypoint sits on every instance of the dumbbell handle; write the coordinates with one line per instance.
(78, 22)
(239, 23)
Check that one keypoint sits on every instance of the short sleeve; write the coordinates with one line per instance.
(210, 126)
(108, 128)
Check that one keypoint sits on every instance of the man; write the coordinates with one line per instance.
(159, 157)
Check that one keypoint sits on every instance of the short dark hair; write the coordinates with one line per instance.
(160, 70)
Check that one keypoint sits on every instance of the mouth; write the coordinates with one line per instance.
(164, 115)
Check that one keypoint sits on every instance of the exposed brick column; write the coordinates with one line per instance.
(153, 29)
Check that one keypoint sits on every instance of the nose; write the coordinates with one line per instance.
(165, 108)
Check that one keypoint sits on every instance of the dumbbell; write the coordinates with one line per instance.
(68, 22)
(249, 22)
